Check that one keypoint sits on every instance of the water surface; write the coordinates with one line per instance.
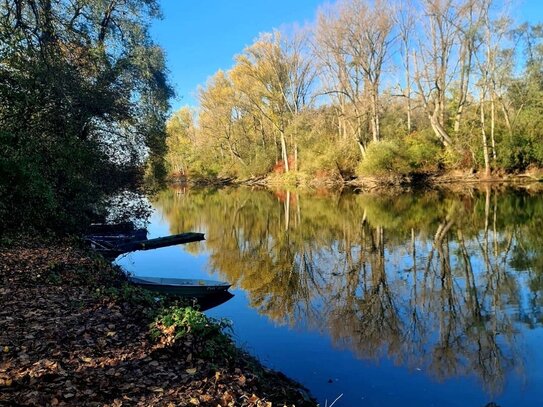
(419, 299)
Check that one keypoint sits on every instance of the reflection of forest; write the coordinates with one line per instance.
(435, 281)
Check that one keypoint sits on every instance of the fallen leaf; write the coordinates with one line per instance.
(242, 380)
(191, 370)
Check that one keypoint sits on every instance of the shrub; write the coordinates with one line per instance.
(517, 153)
(330, 158)
(385, 158)
(423, 152)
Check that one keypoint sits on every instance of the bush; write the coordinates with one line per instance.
(517, 153)
(385, 158)
(330, 158)
(259, 163)
(423, 152)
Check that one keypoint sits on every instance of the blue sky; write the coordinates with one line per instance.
(202, 36)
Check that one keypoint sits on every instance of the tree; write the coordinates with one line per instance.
(353, 40)
(273, 77)
(83, 92)
(180, 139)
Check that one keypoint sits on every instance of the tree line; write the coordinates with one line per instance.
(373, 88)
(83, 103)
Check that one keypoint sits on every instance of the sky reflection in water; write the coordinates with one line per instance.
(418, 299)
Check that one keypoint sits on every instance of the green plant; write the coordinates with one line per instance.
(385, 158)
(422, 151)
(177, 322)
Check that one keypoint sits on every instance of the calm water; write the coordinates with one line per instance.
(421, 299)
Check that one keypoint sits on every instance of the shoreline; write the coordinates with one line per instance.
(73, 332)
(368, 183)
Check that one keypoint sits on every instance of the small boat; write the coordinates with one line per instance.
(184, 287)
(110, 228)
(112, 248)
(118, 238)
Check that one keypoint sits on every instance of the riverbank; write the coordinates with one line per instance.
(534, 175)
(73, 332)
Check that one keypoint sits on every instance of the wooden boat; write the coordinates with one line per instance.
(183, 287)
(118, 238)
(110, 228)
(150, 244)
(114, 248)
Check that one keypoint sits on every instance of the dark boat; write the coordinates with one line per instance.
(183, 287)
(115, 246)
(110, 228)
(118, 238)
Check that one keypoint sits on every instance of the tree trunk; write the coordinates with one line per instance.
(485, 141)
(284, 150)
(440, 131)
(295, 157)
(408, 96)
(374, 114)
(493, 125)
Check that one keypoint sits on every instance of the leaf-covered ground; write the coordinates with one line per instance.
(69, 335)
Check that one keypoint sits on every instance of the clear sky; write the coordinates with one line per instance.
(202, 36)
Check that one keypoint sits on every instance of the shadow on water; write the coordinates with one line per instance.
(440, 281)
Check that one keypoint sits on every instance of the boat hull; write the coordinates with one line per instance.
(189, 288)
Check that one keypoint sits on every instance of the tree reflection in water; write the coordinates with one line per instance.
(439, 281)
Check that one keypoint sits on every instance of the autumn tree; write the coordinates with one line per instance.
(274, 77)
(180, 140)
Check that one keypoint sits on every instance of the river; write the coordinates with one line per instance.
(416, 299)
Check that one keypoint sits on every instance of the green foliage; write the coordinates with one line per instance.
(385, 158)
(176, 323)
(82, 105)
(329, 159)
(423, 151)
(515, 154)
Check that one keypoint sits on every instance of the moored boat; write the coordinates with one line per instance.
(184, 287)
(118, 238)
(112, 248)
(110, 228)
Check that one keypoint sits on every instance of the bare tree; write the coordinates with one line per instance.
(354, 40)
(404, 19)
(432, 62)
